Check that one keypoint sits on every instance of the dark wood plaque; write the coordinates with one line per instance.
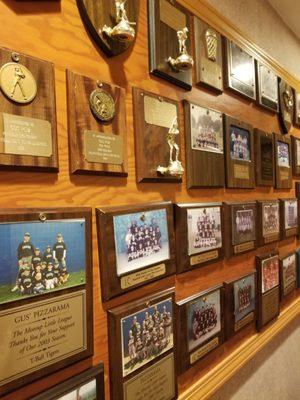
(136, 246)
(200, 326)
(236, 62)
(199, 235)
(297, 108)
(239, 145)
(209, 58)
(267, 88)
(267, 266)
(264, 158)
(46, 298)
(289, 217)
(204, 146)
(95, 146)
(28, 116)
(98, 14)
(298, 267)
(141, 350)
(296, 155)
(268, 221)
(240, 303)
(90, 382)
(165, 19)
(240, 227)
(153, 119)
(288, 274)
(283, 161)
(297, 193)
(286, 106)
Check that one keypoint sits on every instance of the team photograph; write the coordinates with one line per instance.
(243, 226)
(87, 391)
(239, 144)
(244, 297)
(270, 219)
(270, 273)
(291, 214)
(283, 154)
(289, 270)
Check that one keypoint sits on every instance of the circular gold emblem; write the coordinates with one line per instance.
(17, 83)
(102, 105)
(288, 99)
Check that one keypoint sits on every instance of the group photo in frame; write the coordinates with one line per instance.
(268, 217)
(289, 217)
(283, 161)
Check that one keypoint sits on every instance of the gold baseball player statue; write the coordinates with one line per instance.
(19, 75)
(175, 167)
(184, 61)
(123, 31)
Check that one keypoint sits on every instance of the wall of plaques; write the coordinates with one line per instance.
(162, 178)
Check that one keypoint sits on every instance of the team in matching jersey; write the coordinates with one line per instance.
(206, 231)
(270, 275)
(204, 318)
(244, 297)
(239, 146)
(271, 219)
(244, 221)
(207, 139)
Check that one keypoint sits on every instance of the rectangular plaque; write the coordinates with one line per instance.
(297, 108)
(283, 161)
(105, 149)
(211, 255)
(267, 87)
(171, 16)
(241, 171)
(264, 158)
(296, 155)
(270, 305)
(143, 276)
(288, 217)
(288, 274)
(240, 248)
(158, 112)
(243, 322)
(268, 221)
(204, 350)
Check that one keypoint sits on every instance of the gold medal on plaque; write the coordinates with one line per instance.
(17, 82)
(102, 105)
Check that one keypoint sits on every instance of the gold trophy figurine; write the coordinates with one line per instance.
(123, 31)
(184, 61)
(175, 167)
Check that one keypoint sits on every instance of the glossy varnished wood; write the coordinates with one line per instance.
(283, 174)
(264, 158)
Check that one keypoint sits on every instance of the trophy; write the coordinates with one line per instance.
(175, 167)
(184, 61)
(123, 31)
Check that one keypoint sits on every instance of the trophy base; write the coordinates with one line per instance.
(122, 32)
(182, 63)
(174, 169)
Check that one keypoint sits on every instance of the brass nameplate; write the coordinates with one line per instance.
(289, 288)
(271, 238)
(159, 113)
(103, 148)
(204, 350)
(142, 276)
(244, 321)
(37, 335)
(212, 73)
(243, 247)
(171, 16)
(156, 382)
(201, 258)
(270, 305)
(284, 174)
(291, 232)
(241, 171)
(26, 136)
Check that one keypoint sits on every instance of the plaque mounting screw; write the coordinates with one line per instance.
(148, 304)
(15, 56)
(42, 217)
(99, 84)
(160, 99)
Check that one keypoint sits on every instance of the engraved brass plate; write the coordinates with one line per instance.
(241, 171)
(156, 382)
(204, 350)
(171, 16)
(26, 136)
(271, 238)
(142, 276)
(201, 258)
(291, 232)
(244, 321)
(213, 73)
(103, 148)
(270, 305)
(284, 174)
(37, 335)
(159, 113)
(289, 288)
(243, 247)
(102, 105)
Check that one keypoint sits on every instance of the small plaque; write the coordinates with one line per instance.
(268, 221)
(243, 322)
(204, 350)
(241, 248)
(159, 112)
(267, 88)
(143, 276)
(288, 274)
(203, 258)
(241, 171)
(283, 161)
(264, 158)
(105, 149)
(289, 217)
(270, 305)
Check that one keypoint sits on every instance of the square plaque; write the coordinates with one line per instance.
(267, 87)
(268, 221)
(199, 234)
(288, 274)
(141, 348)
(297, 108)
(289, 217)
(264, 158)
(200, 326)
(136, 246)
(283, 161)
(45, 292)
(296, 155)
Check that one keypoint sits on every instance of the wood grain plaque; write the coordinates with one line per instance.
(298, 267)
(297, 108)
(28, 135)
(264, 158)
(267, 88)
(288, 274)
(268, 221)
(239, 147)
(204, 146)
(297, 193)
(286, 106)
(296, 155)
(283, 161)
(289, 217)
(95, 147)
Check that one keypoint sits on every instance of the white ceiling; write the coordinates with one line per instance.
(289, 11)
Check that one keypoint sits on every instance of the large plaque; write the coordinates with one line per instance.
(267, 266)
(297, 108)
(170, 42)
(240, 303)
(239, 70)
(97, 127)
(199, 235)
(268, 221)
(141, 349)
(45, 292)
(136, 246)
(283, 161)
(200, 326)
(267, 88)
(208, 53)
(289, 217)
(28, 137)
(239, 147)
(286, 106)
(288, 274)
(204, 146)
(296, 155)
(264, 158)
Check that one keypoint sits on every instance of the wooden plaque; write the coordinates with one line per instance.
(153, 118)
(267, 266)
(200, 326)
(199, 235)
(288, 274)
(209, 58)
(98, 14)
(28, 133)
(297, 108)
(141, 340)
(240, 303)
(88, 383)
(264, 158)
(268, 221)
(136, 246)
(286, 106)
(204, 146)
(296, 155)
(239, 145)
(298, 266)
(46, 297)
(283, 161)
(297, 193)
(267, 88)
(289, 217)
(165, 19)
(96, 146)
(240, 227)
(236, 62)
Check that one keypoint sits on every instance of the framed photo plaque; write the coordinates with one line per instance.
(268, 221)
(298, 266)
(283, 161)
(288, 274)
(296, 155)
(264, 158)
(289, 217)
(297, 108)
(267, 88)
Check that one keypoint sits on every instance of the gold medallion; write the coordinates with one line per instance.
(102, 105)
